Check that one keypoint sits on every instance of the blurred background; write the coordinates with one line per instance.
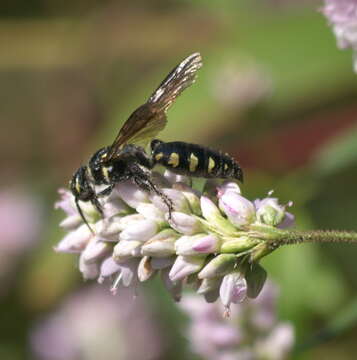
(274, 91)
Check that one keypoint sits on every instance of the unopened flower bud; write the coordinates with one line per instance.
(218, 266)
(75, 241)
(238, 209)
(96, 249)
(207, 245)
(228, 186)
(197, 244)
(185, 265)
(185, 224)
(178, 200)
(107, 268)
(126, 249)
(162, 244)
(209, 284)
(89, 270)
(141, 230)
(239, 244)
(71, 222)
(214, 217)
(145, 270)
(150, 212)
(191, 195)
(123, 222)
(109, 228)
(113, 205)
(173, 286)
(233, 289)
(131, 194)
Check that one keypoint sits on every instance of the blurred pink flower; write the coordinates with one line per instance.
(251, 332)
(342, 16)
(20, 217)
(92, 324)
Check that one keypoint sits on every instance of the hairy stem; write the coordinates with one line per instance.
(322, 236)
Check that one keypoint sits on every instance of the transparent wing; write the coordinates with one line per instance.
(150, 118)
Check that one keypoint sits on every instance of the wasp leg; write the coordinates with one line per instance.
(106, 191)
(142, 179)
(97, 205)
(82, 216)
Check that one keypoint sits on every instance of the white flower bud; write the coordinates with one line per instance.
(184, 266)
(75, 241)
(214, 217)
(71, 222)
(161, 245)
(151, 212)
(125, 250)
(89, 270)
(218, 266)
(96, 249)
(131, 194)
(178, 200)
(141, 230)
(145, 270)
(184, 224)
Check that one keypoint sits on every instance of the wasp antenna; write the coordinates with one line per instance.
(83, 217)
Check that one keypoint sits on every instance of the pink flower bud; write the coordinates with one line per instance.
(197, 244)
(207, 244)
(238, 209)
(233, 289)
(226, 187)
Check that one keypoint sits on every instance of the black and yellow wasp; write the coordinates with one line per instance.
(126, 158)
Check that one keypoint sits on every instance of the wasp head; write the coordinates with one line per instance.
(80, 185)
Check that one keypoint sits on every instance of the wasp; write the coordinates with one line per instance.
(126, 158)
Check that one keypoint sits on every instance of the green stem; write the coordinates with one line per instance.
(286, 237)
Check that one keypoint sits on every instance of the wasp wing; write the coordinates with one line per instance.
(150, 118)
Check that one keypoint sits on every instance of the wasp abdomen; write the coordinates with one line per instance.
(195, 160)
